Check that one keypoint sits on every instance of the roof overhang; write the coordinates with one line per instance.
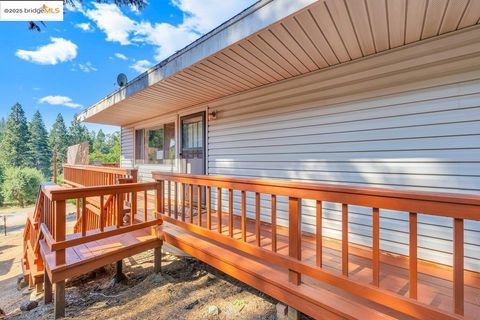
(274, 40)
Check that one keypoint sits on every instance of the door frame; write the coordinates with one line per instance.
(204, 136)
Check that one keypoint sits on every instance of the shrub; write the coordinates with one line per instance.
(21, 185)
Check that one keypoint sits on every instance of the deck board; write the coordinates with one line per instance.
(86, 257)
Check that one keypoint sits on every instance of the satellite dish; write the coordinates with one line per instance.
(122, 79)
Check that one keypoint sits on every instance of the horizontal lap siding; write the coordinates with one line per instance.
(426, 139)
(127, 151)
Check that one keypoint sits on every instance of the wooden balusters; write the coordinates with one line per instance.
(84, 216)
(169, 199)
(182, 192)
(244, 217)
(413, 255)
(230, 212)
(175, 198)
(257, 219)
(345, 239)
(120, 210)
(274, 222)
(60, 229)
(190, 201)
(158, 202)
(209, 208)
(199, 205)
(219, 209)
(102, 213)
(376, 247)
(294, 236)
(318, 236)
(458, 266)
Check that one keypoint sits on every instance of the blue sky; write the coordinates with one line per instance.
(72, 64)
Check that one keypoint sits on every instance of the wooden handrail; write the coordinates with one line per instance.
(455, 206)
(60, 193)
(88, 175)
(461, 206)
(105, 169)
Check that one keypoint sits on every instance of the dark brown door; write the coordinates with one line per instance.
(193, 143)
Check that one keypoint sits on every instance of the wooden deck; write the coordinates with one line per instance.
(434, 280)
(89, 256)
(319, 276)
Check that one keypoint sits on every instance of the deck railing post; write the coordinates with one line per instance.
(294, 236)
(60, 226)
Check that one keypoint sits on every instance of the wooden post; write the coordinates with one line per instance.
(59, 299)
(47, 288)
(376, 247)
(345, 239)
(294, 245)
(54, 163)
(413, 255)
(458, 266)
(157, 267)
(60, 226)
(294, 236)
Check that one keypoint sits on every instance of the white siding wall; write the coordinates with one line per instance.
(127, 147)
(409, 119)
(427, 139)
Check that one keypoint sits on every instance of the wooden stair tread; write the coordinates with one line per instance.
(272, 279)
(89, 256)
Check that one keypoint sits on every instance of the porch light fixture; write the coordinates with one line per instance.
(212, 115)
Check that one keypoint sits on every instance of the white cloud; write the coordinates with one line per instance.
(121, 56)
(86, 67)
(59, 101)
(85, 26)
(141, 65)
(59, 50)
(199, 17)
(166, 37)
(112, 21)
(203, 16)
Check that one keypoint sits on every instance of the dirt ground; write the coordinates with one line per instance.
(186, 289)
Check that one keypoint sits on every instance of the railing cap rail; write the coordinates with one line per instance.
(101, 169)
(344, 190)
(61, 193)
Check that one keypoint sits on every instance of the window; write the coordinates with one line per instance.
(155, 145)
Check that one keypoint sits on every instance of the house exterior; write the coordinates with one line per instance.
(364, 93)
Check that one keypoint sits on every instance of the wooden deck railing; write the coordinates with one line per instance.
(177, 205)
(53, 224)
(88, 176)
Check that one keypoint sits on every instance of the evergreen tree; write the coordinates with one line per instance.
(3, 125)
(77, 133)
(58, 140)
(41, 154)
(15, 143)
(99, 145)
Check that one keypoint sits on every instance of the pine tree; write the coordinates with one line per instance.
(77, 133)
(41, 153)
(58, 140)
(99, 145)
(15, 143)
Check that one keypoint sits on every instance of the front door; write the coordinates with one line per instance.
(192, 152)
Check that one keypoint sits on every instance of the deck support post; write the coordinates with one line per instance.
(293, 314)
(119, 275)
(38, 288)
(157, 267)
(47, 287)
(59, 299)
